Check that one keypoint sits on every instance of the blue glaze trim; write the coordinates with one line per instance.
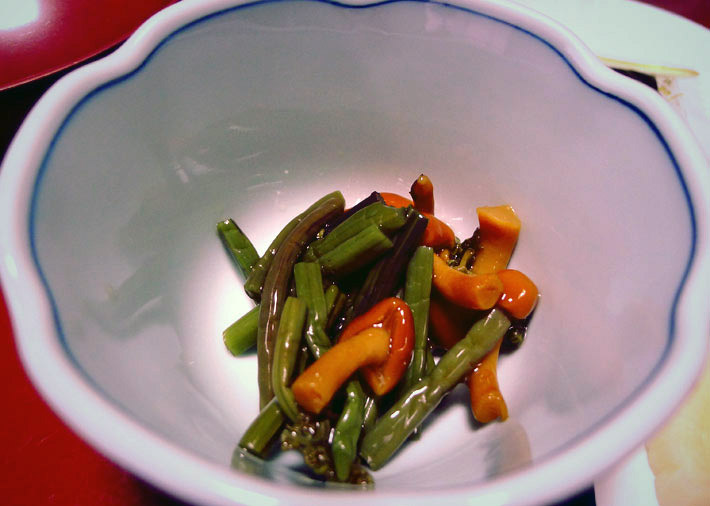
(208, 17)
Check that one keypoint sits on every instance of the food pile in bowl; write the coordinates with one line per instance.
(352, 351)
(120, 290)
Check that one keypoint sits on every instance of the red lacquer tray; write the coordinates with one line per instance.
(39, 37)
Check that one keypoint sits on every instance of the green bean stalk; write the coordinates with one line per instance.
(240, 336)
(385, 218)
(309, 288)
(254, 284)
(405, 415)
(356, 252)
(276, 284)
(263, 429)
(347, 430)
(286, 350)
(238, 245)
(417, 292)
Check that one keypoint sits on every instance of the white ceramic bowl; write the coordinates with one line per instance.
(119, 289)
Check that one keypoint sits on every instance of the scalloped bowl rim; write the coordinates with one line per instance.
(184, 474)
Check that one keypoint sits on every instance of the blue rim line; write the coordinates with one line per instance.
(43, 167)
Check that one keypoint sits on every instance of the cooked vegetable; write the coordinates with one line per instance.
(277, 280)
(263, 429)
(385, 276)
(422, 192)
(387, 219)
(315, 387)
(396, 200)
(448, 324)
(462, 255)
(238, 245)
(356, 252)
(371, 199)
(348, 429)
(286, 349)
(255, 282)
(309, 288)
(497, 235)
(479, 291)
(272, 417)
(395, 426)
(519, 294)
(417, 293)
(437, 234)
(363, 279)
(394, 317)
(311, 436)
(241, 335)
(499, 228)
(487, 402)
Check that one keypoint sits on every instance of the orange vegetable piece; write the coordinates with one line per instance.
(472, 291)
(437, 234)
(394, 316)
(315, 387)
(520, 294)
(396, 200)
(499, 227)
(487, 401)
(499, 231)
(422, 192)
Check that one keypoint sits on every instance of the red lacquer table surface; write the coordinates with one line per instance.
(41, 460)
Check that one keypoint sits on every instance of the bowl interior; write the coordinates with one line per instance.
(256, 112)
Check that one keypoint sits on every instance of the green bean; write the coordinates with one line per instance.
(309, 288)
(238, 244)
(241, 335)
(370, 199)
(347, 430)
(286, 348)
(254, 284)
(356, 252)
(405, 415)
(276, 284)
(263, 429)
(417, 291)
(418, 362)
(387, 219)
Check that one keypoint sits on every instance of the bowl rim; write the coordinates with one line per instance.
(190, 476)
